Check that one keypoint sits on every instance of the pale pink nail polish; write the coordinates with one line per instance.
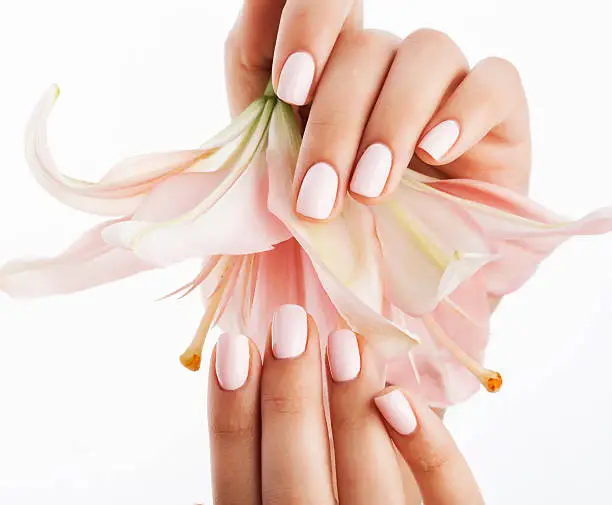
(232, 362)
(344, 356)
(397, 411)
(289, 332)
(440, 139)
(296, 78)
(318, 191)
(372, 171)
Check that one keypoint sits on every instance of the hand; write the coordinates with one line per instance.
(269, 436)
(380, 103)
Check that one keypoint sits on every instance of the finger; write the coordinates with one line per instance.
(344, 100)
(436, 463)
(411, 488)
(366, 465)
(427, 66)
(487, 110)
(249, 50)
(233, 404)
(295, 457)
(307, 33)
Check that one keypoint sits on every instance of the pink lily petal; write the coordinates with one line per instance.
(430, 245)
(87, 263)
(432, 370)
(344, 252)
(521, 232)
(238, 222)
(270, 279)
(122, 189)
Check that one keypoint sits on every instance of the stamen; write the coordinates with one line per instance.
(491, 380)
(185, 290)
(192, 357)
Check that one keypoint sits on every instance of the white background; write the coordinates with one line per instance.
(94, 406)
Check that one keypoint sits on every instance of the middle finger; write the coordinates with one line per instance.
(295, 456)
(342, 105)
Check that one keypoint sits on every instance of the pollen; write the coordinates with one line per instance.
(493, 382)
(191, 360)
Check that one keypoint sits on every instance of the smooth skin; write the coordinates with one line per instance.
(368, 88)
(371, 87)
(270, 443)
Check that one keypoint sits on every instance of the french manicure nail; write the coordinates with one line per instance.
(232, 362)
(397, 411)
(289, 332)
(317, 195)
(439, 140)
(344, 357)
(372, 171)
(296, 78)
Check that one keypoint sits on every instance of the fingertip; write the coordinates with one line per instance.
(289, 331)
(318, 196)
(397, 411)
(371, 176)
(343, 356)
(296, 78)
(234, 357)
(438, 142)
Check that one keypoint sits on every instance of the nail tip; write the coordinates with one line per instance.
(289, 331)
(232, 361)
(318, 192)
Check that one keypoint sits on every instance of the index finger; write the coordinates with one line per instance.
(423, 441)
(307, 34)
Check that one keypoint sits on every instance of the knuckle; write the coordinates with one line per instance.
(432, 463)
(371, 38)
(301, 14)
(348, 423)
(283, 403)
(235, 426)
(432, 37)
(498, 64)
(433, 43)
(433, 459)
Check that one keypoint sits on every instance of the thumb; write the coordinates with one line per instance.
(249, 51)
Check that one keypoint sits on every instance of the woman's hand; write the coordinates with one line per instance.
(379, 103)
(269, 434)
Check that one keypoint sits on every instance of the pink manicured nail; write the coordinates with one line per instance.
(372, 171)
(296, 78)
(439, 140)
(344, 357)
(232, 362)
(397, 411)
(289, 331)
(317, 195)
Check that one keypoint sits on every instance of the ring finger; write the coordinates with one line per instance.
(366, 463)
(427, 68)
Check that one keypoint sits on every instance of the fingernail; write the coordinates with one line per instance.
(232, 362)
(289, 332)
(439, 140)
(317, 195)
(344, 357)
(296, 78)
(372, 171)
(397, 411)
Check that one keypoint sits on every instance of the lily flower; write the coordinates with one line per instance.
(413, 274)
